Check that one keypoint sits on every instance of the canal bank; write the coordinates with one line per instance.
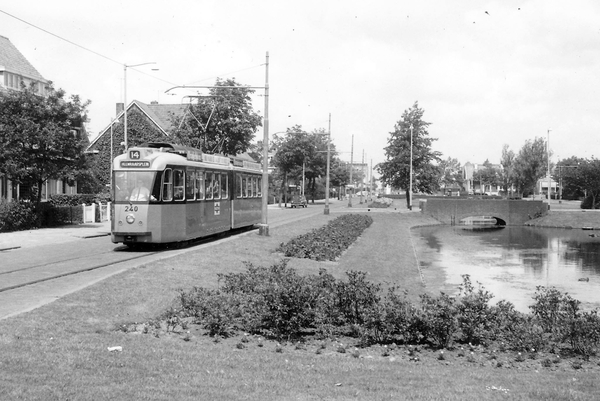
(573, 219)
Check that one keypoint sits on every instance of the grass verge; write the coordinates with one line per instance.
(60, 351)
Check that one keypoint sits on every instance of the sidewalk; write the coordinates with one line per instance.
(45, 236)
(62, 234)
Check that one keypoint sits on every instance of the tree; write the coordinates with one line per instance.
(589, 180)
(489, 175)
(41, 137)
(395, 171)
(507, 162)
(223, 122)
(299, 150)
(530, 165)
(570, 177)
(450, 173)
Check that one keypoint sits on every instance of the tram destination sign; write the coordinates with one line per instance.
(135, 163)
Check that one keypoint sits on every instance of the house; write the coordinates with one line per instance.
(145, 123)
(15, 70)
(473, 182)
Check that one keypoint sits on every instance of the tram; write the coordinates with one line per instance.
(166, 193)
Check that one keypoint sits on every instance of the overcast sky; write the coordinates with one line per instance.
(486, 73)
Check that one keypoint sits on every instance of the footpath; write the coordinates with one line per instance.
(55, 235)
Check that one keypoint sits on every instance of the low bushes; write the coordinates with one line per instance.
(277, 302)
(17, 215)
(328, 242)
(381, 203)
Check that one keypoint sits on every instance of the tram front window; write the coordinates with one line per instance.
(134, 186)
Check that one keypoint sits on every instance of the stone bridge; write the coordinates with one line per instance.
(507, 212)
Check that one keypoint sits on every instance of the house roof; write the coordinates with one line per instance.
(160, 114)
(13, 61)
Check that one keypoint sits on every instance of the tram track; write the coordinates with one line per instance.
(15, 278)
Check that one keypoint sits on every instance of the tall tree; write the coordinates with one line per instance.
(395, 170)
(530, 165)
(507, 161)
(223, 122)
(41, 137)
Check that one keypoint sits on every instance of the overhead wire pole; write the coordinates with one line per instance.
(548, 154)
(263, 228)
(351, 166)
(264, 224)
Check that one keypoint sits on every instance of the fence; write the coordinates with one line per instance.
(89, 212)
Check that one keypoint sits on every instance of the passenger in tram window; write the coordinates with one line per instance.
(140, 192)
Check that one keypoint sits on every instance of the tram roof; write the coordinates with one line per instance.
(193, 154)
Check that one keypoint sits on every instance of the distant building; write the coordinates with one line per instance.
(541, 187)
(473, 182)
(16, 70)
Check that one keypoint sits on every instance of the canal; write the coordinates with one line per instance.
(511, 262)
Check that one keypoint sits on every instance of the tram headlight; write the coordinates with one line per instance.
(130, 219)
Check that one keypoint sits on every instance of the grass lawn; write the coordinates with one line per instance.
(60, 351)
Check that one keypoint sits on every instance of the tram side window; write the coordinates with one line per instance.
(249, 187)
(238, 185)
(199, 185)
(224, 186)
(217, 186)
(259, 183)
(208, 185)
(178, 184)
(167, 190)
(190, 181)
(254, 190)
(244, 187)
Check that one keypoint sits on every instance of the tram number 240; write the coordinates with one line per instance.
(131, 208)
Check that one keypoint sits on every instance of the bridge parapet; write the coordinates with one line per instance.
(512, 212)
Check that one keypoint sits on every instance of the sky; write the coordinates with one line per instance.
(486, 73)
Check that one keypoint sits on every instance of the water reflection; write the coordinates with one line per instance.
(512, 261)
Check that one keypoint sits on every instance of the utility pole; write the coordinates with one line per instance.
(362, 179)
(548, 153)
(326, 210)
(351, 168)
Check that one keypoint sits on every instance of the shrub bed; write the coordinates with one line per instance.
(328, 242)
(381, 203)
(17, 215)
(277, 302)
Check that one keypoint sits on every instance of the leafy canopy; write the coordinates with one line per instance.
(223, 122)
(41, 137)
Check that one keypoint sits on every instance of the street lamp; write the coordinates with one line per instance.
(125, 66)
(113, 121)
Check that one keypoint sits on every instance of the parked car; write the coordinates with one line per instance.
(298, 200)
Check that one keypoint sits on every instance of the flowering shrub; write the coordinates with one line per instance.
(328, 242)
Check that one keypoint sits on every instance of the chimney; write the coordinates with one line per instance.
(119, 108)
